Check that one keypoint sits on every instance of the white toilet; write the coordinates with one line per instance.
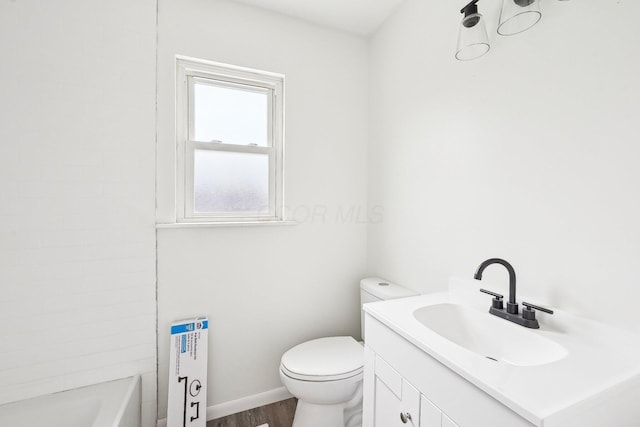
(325, 374)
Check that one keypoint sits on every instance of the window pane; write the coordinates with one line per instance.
(232, 116)
(227, 182)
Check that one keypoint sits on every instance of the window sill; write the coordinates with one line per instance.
(224, 224)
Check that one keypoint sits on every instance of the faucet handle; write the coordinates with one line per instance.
(498, 296)
(497, 300)
(532, 306)
(529, 312)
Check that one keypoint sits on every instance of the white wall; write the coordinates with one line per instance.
(266, 289)
(529, 153)
(77, 132)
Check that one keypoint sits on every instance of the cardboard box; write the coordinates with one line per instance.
(187, 405)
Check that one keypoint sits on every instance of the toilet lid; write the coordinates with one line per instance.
(324, 359)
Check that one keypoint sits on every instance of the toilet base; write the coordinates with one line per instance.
(347, 414)
(312, 415)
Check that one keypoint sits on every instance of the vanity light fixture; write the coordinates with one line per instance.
(516, 16)
(472, 38)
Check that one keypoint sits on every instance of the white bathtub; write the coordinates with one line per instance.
(110, 404)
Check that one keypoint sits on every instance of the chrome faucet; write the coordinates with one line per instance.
(528, 318)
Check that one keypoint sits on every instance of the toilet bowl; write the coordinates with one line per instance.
(326, 374)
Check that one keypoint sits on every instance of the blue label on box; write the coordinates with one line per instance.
(189, 327)
(181, 329)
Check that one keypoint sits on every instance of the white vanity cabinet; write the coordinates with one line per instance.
(431, 416)
(400, 379)
(398, 403)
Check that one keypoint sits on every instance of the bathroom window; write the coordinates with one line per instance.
(230, 141)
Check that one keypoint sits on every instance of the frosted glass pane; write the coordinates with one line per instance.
(233, 116)
(231, 182)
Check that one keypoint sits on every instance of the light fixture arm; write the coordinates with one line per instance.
(470, 8)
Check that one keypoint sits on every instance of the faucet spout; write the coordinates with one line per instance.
(512, 306)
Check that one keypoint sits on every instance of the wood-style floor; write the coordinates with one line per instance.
(279, 414)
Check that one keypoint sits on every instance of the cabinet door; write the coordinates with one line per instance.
(396, 402)
(430, 415)
(446, 422)
(386, 406)
(409, 405)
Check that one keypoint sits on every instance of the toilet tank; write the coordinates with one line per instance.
(374, 289)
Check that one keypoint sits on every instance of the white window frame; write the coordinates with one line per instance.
(188, 72)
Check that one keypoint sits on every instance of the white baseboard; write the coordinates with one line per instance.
(242, 404)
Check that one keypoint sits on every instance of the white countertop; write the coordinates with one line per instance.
(601, 360)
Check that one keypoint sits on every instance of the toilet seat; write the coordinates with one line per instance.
(321, 378)
(324, 359)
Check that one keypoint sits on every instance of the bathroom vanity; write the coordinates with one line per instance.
(442, 360)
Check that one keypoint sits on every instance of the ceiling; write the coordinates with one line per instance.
(356, 16)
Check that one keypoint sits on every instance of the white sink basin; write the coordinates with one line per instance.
(489, 336)
(549, 376)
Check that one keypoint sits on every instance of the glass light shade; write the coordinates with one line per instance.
(517, 16)
(472, 38)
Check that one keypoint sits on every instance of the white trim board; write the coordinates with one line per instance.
(243, 404)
